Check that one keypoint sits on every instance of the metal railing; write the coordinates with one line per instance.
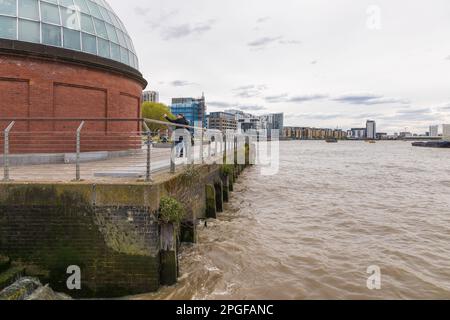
(81, 139)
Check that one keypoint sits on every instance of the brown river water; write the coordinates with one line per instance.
(312, 231)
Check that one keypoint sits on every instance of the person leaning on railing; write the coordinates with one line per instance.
(180, 120)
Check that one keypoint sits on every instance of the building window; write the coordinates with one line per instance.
(89, 43)
(8, 27)
(103, 48)
(8, 7)
(72, 39)
(29, 9)
(51, 35)
(29, 31)
(86, 24)
(50, 13)
(115, 52)
(69, 18)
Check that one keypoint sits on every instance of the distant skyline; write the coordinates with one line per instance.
(322, 63)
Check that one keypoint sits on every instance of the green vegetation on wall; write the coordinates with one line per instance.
(171, 211)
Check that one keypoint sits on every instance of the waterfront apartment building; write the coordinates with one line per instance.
(222, 121)
(446, 132)
(150, 96)
(357, 133)
(371, 130)
(193, 109)
(305, 133)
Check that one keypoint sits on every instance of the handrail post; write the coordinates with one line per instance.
(202, 153)
(224, 144)
(148, 172)
(6, 151)
(209, 148)
(173, 154)
(78, 173)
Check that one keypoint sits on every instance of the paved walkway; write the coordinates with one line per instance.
(124, 169)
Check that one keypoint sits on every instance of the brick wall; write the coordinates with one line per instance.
(32, 87)
(53, 227)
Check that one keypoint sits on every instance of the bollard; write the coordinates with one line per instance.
(6, 152)
(78, 171)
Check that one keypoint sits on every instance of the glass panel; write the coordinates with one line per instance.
(115, 52)
(124, 55)
(94, 9)
(52, 1)
(105, 15)
(8, 7)
(71, 39)
(121, 38)
(103, 48)
(100, 28)
(89, 43)
(29, 31)
(8, 28)
(82, 6)
(51, 35)
(86, 24)
(67, 3)
(50, 13)
(112, 33)
(29, 9)
(70, 18)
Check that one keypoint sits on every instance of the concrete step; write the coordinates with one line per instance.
(9, 276)
(5, 263)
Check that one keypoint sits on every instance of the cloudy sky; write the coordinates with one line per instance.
(329, 63)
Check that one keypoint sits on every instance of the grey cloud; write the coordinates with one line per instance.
(185, 30)
(181, 83)
(263, 42)
(221, 104)
(423, 114)
(289, 42)
(294, 99)
(251, 108)
(368, 99)
(277, 98)
(448, 58)
(140, 11)
(262, 19)
(414, 111)
(444, 108)
(249, 91)
(304, 98)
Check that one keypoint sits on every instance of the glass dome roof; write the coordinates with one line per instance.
(88, 26)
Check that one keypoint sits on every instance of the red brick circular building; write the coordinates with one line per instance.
(67, 59)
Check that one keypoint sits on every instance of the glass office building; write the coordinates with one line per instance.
(193, 109)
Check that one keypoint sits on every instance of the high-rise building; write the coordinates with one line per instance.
(434, 131)
(222, 121)
(446, 132)
(371, 130)
(150, 96)
(193, 109)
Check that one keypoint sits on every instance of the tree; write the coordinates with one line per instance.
(155, 111)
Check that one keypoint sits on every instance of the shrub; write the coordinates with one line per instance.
(171, 211)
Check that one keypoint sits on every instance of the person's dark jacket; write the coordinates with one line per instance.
(181, 121)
